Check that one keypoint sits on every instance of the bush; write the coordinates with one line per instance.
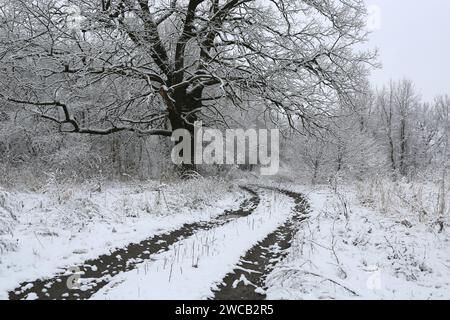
(8, 220)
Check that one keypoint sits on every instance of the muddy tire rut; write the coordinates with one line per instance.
(247, 280)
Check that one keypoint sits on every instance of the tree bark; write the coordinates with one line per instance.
(403, 146)
(181, 109)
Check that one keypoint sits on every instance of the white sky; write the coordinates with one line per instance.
(413, 38)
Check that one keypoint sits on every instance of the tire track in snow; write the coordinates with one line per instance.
(247, 280)
(96, 273)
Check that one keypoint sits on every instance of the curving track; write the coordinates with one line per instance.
(249, 274)
(247, 280)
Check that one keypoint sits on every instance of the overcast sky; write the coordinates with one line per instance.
(413, 37)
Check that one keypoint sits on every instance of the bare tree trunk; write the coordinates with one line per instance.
(182, 103)
(387, 117)
(392, 153)
(403, 147)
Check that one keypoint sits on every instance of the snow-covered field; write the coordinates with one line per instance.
(41, 233)
(352, 246)
(348, 251)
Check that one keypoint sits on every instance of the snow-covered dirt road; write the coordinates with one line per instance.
(197, 261)
(247, 280)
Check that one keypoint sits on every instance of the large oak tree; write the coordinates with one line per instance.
(104, 66)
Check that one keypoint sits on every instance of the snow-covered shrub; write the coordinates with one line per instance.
(68, 207)
(415, 199)
(79, 210)
(8, 221)
(197, 192)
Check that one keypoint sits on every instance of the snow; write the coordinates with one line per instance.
(192, 267)
(8, 221)
(348, 251)
(355, 244)
(57, 230)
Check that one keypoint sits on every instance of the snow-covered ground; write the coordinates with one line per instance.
(43, 232)
(348, 251)
(358, 242)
